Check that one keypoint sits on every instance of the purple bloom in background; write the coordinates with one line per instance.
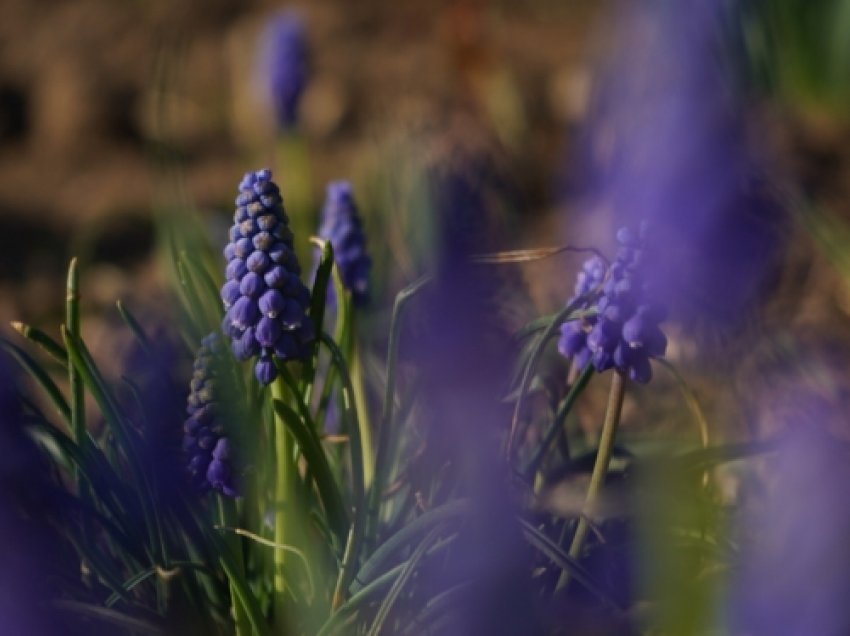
(284, 65)
(625, 332)
(205, 441)
(342, 226)
(266, 301)
(668, 142)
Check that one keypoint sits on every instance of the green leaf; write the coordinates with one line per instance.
(437, 608)
(316, 459)
(318, 299)
(135, 327)
(563, 410)
(48, 344)
(41, 377)
(560, 558)
(126, 438)
(404, 576)
(534, 355)
(409, 534)
(105, 484)
(383, 457)
(355, 537)
(374, 589)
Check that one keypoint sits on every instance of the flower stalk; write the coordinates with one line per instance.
(283, 496)
(600, 468)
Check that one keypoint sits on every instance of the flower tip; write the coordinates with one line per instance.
(265, 370)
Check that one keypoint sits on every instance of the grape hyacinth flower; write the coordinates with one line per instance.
(284, 66)
(625, 332)
(342, 226)
(204, 439)
(573, 341)
(266, 301)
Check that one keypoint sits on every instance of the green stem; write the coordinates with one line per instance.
(283, 496)
(353, 426)
(360, 403)
(600, 468)
(72, 320)
(228, 518)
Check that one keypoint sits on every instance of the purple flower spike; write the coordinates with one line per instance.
(624, 334)
(342, 226)
(209, 452)
(264, 295)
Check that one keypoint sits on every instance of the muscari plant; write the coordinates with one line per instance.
(276, 527)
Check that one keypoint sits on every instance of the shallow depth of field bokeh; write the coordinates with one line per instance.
(480, 132)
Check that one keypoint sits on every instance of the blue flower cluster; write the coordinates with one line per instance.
(573, 341)
(266, 301)
(342, 226)
(204, 439)
(285, 65)
(625, 332)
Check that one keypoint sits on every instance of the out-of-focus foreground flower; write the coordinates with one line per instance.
(671, 142)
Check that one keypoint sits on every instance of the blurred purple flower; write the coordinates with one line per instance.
(205, 439)
(669, 142)
(34, 556)
(284, 65)
(342, 226)
(462, 353)
(266, 301)
(157, 370)
(795, 570)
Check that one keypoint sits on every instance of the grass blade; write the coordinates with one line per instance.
(374, 589)
(382, 458)
(407, 535)
(575, 390)
(560, 558)
(135, 327)
(403, 577)
(72, 325)
(316, 459)
(41, 377)
(39, 337)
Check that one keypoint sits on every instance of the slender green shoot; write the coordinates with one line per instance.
(600, 468)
